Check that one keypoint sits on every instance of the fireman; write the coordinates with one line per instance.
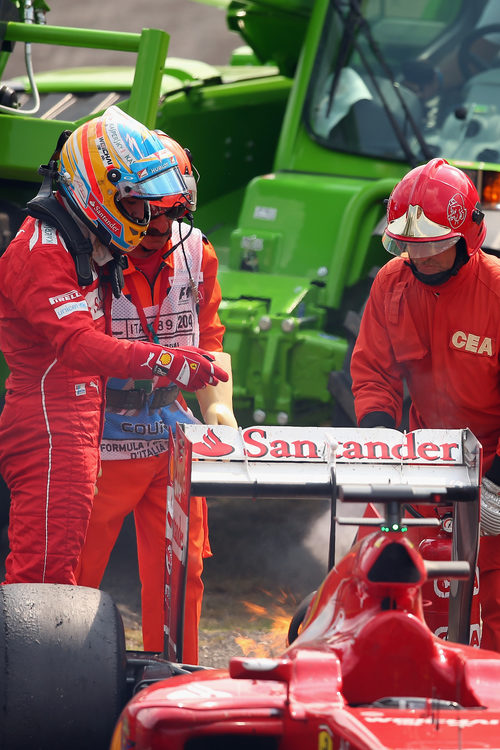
(433, 320)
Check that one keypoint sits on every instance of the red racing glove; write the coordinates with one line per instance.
(189, 367)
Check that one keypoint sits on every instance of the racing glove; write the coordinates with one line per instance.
(216, 402)
(378, 419)
(490, 507)
(188, 367)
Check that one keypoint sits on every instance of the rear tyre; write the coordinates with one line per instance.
(62, 667)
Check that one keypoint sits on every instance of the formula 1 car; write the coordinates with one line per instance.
(364, 670)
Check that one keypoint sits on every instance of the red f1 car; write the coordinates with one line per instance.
(363, 669)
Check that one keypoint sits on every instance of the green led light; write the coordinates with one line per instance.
(404, 528)
(384, 528)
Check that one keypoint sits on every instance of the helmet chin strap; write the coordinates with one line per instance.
(436, 279)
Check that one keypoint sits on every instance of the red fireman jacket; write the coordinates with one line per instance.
(443, 340)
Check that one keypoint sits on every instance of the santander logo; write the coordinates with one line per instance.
(104, 216)
(212, 446)
(258, 444)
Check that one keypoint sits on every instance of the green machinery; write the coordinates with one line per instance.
(299, 139)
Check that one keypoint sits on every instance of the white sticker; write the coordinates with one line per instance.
(70, 307)
(252, 243)
(265, 212)
(94, 303)
(49, 235)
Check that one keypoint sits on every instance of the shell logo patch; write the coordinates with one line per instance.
(165, 359)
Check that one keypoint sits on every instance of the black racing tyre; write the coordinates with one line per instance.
(62, 667)
(298, 617)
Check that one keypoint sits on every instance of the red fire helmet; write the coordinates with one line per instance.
(434, 205)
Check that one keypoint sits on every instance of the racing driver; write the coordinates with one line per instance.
(56, 281)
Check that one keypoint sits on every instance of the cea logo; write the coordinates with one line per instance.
(470, 342)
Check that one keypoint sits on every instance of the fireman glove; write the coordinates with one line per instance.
(189, 367)
(490, 508)
(216, 402)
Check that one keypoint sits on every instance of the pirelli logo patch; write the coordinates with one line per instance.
(66, 297)
(473, 343)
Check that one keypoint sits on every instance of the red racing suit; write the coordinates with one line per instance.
(444, 341)
(133, 449)
(53, 336)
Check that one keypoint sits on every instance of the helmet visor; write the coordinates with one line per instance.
(191, 184)
(415, 224)
(166, 182)
(417, 235)
(175, 206)
(417, 249)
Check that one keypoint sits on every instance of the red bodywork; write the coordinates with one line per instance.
(363, 639)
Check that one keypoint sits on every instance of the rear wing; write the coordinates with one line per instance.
(364, 465)
(297, 462)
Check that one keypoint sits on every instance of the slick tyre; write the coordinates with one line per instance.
(62, 667)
